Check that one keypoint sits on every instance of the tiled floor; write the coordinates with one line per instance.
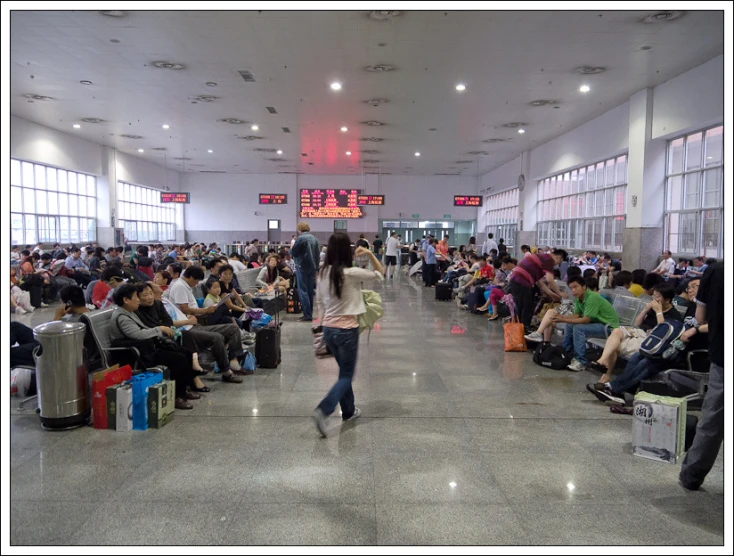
(459, 443)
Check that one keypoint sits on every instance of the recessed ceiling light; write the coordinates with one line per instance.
(384, 15)
(141, 150)
(344, 129)
(169, 65)
(349, 153)
(210, 151)
(417, 154)
(165, 126)
(461, 87)
(233, 121)
(380, 68)
(76, 126)
(584, 88)
(85, 82)
(336, 86)
(521, 131)
(590, 70)
(279, 151)
(452, 484)
(661, 17)
(376, 101)
(255, 127)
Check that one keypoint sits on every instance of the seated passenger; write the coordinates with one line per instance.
(651, 280)
(254, 261)
(592, 314)
(72, 304)
(501, 280)
(112, 277)
(235, 262)
(77, 268)
(686, 297)
(622, 283)
(626, 340)
(127, 330)
(22, 354)
(638, 278)
(269, 277)
(483, 275)
(162, 279)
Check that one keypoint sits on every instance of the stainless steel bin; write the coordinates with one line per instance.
(61, 375)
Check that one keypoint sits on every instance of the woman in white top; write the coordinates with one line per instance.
(269, 276)
(235, 262)
(339, 292)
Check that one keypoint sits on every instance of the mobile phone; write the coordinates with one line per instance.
(68, 304)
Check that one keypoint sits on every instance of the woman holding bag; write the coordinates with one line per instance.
(340, 293)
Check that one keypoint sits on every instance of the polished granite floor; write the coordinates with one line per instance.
(458, 443)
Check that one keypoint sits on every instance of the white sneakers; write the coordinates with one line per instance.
(576, 366)
(534, 337)
(355, 415)
(320, 420)
(20, 311)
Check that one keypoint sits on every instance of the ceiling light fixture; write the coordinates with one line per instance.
(336, 86)
(349, 153)
(210, 151)
(168, 65)
(113, 13)
(384, 15)
(211, 84)
(165, 126)
(542, 102)
(255, 127)
(379, 68)
(584, 88)
(344, 129)
(37, 97)
(417, 154)
(141, 150)
(376, 101)
(590, 70)
(521, 131)
(76, 126)
(461, 87)
(662, 17)
(279, 151)
(85, 82)
(93, 120)
(233, 121)
(130, 136)
(373, 123)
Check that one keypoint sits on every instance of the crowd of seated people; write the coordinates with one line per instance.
(548, 288)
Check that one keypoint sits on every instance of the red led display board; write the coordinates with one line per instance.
(370, 200)
(273, 199)
(175, 197)
(329, 203)
(467, 201)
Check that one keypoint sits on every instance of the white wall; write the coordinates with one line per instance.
(138, 171)
(36, 143)
(692, 100)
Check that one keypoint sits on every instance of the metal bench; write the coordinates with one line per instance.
(247, 279)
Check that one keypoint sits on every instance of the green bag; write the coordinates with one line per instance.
(373, 302)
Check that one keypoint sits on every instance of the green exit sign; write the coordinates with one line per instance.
(447, 216)
(416, 216)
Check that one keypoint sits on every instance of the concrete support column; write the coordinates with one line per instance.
(527, 207)
(106, 198)
(643, 235)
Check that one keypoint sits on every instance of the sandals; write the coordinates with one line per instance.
(183, 404)
(493, 317)
(232, 378)
(621, 410)
(205, 389)
(593, 365)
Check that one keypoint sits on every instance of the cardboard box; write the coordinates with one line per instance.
(124, 406)
(161, 403)
(658, 427)
(111, 397)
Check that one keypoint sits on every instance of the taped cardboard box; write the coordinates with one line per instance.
(658, 427)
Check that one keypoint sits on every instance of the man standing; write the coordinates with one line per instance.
(362, 261)
(489, 245)
(252, 249)
(391, 253)
(377, 246)
(429, 270)
(710, 430)
(666, 266)
(306, 255)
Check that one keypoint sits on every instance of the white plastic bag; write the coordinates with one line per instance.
(20, 381)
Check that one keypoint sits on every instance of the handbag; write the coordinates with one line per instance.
(515, 335)
(320, 349)
(547, 307)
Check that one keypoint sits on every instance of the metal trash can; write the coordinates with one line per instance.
(61, 375)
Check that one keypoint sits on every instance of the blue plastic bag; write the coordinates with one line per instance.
(141, 382)
(262, 322)
(249, 363)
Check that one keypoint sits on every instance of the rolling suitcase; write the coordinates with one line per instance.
(292, 299)
(443, 292)
(267, 344)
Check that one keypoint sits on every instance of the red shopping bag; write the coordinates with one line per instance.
(100, 382)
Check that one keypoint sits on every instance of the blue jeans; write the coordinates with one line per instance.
(306, 290)
(343, 343)
(638, 369)
(575, 335)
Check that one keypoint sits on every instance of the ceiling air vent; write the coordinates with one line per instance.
(93, 120)
(250, 137)
(183, 158)
(464, 161)
(37, 97)
(263, 150)
(370, 151)
(495, 140)
(475, 153)
(271, 110)
(384, 15)
(168, 65)
(212, 171)
(205, 98)
(371, 161)
(233, 121)
(542, 102)
(129, 136)
(286, 129)
(376, 101)
(661, 17)
(590, 70)
(380, 68)
(158, 148)
(513, 125)
(373, 139)
(373, 123)
(247, 76)
(304, 154)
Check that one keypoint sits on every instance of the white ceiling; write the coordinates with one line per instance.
(506, 59)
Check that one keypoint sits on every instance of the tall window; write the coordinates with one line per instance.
(501, 216)
(141, 214)
(694, 194)
(51, 205)
(585, 207)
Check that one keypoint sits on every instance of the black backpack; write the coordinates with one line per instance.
(552, 357)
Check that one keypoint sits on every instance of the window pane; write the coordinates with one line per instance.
(620, 194)
(30, 229)
(692, 198)
(609, 202)
(63, 203)
(566, 183)
(675, 192)
(711, 227)
(63, 175)
(580, 203)
(600, 175)
(590, 204)
(91, 186)
(621, 170)
(74, 230)
(41, 207)
(15, 178)
(73, 205)
(712, 192)
(51, 179)
(713, 146)
(599, 203)
(582, 180)
(53, 202)
(572, 206)
(16, 226)
(619, 224)
(574, 182)
(72, 182)
(91, 207)
(27, 174)
(675, 157)
(29, 202)
(82, 184)
(609, 172)
(64, 229)
(590, 178)
(40, 177)
(82, 206)
(16, 199)
(694, 151)
(608, 228)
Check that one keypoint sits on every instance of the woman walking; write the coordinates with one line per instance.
(340, 293)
